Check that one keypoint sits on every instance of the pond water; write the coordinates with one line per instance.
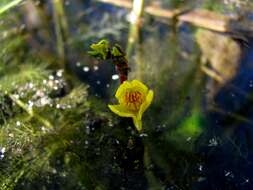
(184, 118)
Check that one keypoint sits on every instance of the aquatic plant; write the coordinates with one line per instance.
(57, 132)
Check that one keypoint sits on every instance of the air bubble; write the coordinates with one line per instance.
(59, 73)
(95, 68)
(115, 77)
(86, 69)
(78, 64)
(51, 77)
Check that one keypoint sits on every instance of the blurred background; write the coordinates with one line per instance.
(56, 131)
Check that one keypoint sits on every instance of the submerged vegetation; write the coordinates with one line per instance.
(56, 82)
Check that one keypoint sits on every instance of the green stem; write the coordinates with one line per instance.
(134, 34)
(30, 111)
(9, 6)
(61, 28)
(153, 183)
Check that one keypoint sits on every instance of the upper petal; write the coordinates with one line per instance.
(121, 111)
(122, 88)
(139, 85)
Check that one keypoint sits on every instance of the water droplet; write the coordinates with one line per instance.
(59, 73)
(67, 3)
(95, 68)
(143, 135)
(189, 139)
(44, 129)
(18, 123)
(16, 96)
(4, 34)
(30, 104)
(30, 85)
(245, 181)
(86, 69)
(87, 130)
(250, 83)
(51, 77)
(200, 179)
(200, 167)
(2, 150)
(44, 101)
(78, 64)
(115, 77)
(229, 174)
(213, 142)
(54, 171)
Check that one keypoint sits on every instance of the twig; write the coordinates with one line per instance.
(232, 115)
(198, 17)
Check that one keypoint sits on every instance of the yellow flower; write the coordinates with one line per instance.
(134, 98)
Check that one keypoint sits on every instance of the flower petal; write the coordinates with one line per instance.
(121, 111)
(137, 124)
(122, 88)
(146, 104)
(139, 85)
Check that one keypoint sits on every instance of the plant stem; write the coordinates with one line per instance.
(134, 34)
(152, 181)
(30, 111)
(9, 6)
(61, 28)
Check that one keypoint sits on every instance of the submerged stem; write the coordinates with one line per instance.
(30, 111)
(61, 28)
(152, 181)
(9, 6)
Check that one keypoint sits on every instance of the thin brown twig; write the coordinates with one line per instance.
(198, 17)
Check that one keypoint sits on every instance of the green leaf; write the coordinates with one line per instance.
(117, 51)
(100, 49)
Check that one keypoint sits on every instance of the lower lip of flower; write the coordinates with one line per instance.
(133, 100)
